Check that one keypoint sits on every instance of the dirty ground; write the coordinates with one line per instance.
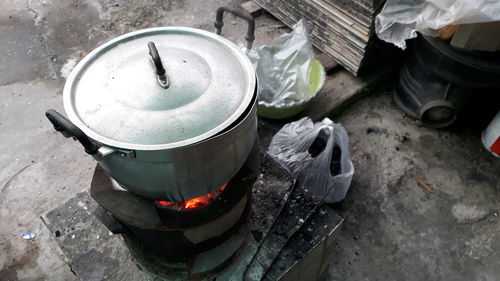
(443, 228)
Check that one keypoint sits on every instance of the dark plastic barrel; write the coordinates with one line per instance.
(436, 80)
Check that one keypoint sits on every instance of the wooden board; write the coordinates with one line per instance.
(342, 29)
(251, 8)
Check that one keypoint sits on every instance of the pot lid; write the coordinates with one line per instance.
(115, 96)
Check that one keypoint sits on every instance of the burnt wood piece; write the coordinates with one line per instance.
(315, 231)
(251, 8)
(344, 30)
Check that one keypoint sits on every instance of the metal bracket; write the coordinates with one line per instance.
(105, 151)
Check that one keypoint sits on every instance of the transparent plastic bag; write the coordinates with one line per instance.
(401, 19)
(292, 148)
(283, 67)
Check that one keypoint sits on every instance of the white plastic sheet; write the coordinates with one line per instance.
(400, 20)
(290, 148)
(283, 67)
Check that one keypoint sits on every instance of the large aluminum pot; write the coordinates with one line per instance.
(168, 112)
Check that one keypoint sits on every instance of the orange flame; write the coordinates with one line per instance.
(194, 203)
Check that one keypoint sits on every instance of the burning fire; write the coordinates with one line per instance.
(194, 203)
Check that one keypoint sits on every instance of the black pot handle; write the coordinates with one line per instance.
(68, 129)
(237, 13)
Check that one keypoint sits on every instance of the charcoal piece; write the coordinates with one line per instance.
(335, 167)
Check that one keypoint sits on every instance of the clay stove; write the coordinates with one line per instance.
(164, 235)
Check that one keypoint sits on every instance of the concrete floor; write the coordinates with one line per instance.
(394, 229)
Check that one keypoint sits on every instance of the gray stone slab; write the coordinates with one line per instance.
(93, 253)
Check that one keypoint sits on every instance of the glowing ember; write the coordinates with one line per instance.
(194, 203)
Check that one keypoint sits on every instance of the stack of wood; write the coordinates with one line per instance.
(343, 29)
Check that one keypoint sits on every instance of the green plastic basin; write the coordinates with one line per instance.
(316, 82)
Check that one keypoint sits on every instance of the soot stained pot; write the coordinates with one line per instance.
(168, 112)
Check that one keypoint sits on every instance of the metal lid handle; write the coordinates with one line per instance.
(237, 13)
(160, 70)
